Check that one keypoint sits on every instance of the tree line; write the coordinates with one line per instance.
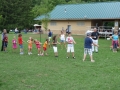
(21, 13)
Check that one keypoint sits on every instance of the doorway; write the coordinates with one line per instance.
(69, 28)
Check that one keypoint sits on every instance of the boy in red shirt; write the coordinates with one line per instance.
(20, 42)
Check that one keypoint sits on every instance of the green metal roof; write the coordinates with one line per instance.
(105, 10)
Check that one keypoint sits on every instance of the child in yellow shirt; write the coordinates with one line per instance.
(30, 41)
(45, 45)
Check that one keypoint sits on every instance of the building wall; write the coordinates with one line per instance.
(77, 27)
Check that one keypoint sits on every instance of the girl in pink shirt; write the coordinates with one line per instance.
(14, 42)
(38, 46)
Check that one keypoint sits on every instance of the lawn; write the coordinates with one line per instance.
(33, 72)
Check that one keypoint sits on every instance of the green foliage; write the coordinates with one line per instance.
(45, 22)
(20, 13)
(15, 13)
(109, 24)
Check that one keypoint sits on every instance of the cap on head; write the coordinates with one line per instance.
(88, 34)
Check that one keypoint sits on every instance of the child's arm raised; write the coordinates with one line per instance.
(23, 41)
(28, 41)
(74, 42)
(40, 43)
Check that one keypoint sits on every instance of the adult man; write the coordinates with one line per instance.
(49, 36)
(2, 38)
(95, 37)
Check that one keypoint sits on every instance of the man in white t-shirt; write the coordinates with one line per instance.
(70, 47)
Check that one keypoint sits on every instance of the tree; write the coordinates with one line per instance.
(15, 13)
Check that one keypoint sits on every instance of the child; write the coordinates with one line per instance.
(38, 46)
(5, 40)
(30, 41)
(115, 41)
(20, 42)
(88, 47)
(55, 42)
(45, 45)
(49, 37)
(62, 39)
(70, 47)
(14, 42)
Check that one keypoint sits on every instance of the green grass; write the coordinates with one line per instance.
(24, 72)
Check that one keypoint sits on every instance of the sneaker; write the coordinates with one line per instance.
(38, 54)
(115, 51)
(5, 51)
(92, 60)
(67, 57)
(21, 53)
(83, 59)
(110, 48)
(28, 53)
(41, 54)
(73, 57)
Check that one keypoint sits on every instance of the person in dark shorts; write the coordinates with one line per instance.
(2, 37)
(5, 39)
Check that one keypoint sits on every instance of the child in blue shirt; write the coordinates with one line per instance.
(88, 47)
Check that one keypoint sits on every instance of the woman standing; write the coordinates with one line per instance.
(2, 38)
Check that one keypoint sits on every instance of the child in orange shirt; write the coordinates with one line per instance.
(30, 41)
(20, 42)
(45, 45)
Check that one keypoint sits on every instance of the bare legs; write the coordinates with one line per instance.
(63, 45)
(91, 58)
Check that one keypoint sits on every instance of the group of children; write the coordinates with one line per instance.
(42, 49)
(69, 41)
(30, 42)
(88, 43)
(70, 44)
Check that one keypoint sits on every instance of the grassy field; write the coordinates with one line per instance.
(24, 72)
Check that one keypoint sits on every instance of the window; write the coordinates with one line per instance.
(80, 23)
(53, 23)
